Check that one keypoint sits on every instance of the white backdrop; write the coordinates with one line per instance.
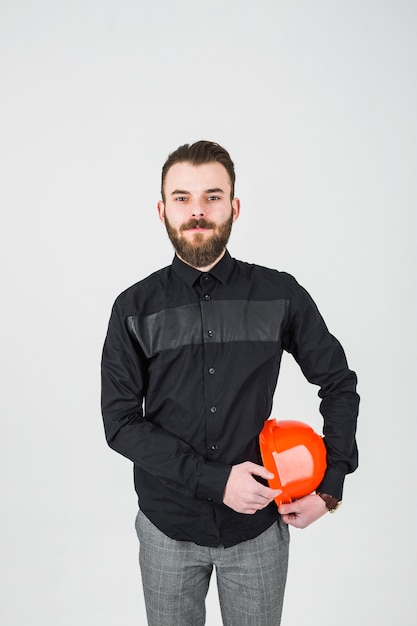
(316, 101)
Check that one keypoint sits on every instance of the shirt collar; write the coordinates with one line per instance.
(222, 270)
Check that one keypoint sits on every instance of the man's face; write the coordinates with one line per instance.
(198, 212)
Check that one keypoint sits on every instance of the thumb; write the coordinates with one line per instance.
(286, 508)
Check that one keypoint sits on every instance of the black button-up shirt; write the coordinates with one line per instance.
(189, 369)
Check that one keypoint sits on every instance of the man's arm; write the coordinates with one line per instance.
(323, 362)
(172, 460)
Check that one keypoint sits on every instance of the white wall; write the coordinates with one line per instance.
(316, 101)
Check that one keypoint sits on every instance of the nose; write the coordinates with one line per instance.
(198, 209)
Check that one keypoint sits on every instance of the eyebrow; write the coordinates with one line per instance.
(183, 192)
(179, 192)
(215, 190)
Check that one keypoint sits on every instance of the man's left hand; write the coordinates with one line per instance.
(303, 512)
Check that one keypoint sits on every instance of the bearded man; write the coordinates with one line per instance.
(189, 369)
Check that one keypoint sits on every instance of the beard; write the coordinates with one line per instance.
(201, 251)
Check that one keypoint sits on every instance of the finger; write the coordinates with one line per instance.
(288, 509)
(267, 492)
(261, 503)
(261, 471)
(263, 500)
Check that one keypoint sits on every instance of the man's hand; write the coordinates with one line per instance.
(303, 512)
(244, 493)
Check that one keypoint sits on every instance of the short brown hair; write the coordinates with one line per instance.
(198, 153)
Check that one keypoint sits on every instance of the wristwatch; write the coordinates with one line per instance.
(332, 503)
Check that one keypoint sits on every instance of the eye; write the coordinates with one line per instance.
(213, 198)
(180, 199)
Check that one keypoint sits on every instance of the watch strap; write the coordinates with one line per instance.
(332, 503)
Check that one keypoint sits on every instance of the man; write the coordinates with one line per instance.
(190, 365)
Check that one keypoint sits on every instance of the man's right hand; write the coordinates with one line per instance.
(243, 493)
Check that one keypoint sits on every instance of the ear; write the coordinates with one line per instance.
(235, 208)
(161, 211)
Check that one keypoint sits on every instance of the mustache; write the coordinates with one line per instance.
(200, 223)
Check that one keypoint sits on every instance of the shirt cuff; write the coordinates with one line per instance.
(332, 483)
(213, 481)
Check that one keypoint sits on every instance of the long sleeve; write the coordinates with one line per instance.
(323, 363)
(153, 449)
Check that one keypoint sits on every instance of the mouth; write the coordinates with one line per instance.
(197, 226)
(198, 229)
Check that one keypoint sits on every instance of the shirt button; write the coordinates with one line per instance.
(211, 370)
(213, 409)
(210, 333)
(207, 296)
(214, 447)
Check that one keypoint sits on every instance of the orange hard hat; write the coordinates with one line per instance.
(295, 454)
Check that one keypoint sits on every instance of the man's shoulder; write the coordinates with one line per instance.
(269, 273)
(144, 286)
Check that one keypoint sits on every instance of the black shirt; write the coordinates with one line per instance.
(189, 369)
